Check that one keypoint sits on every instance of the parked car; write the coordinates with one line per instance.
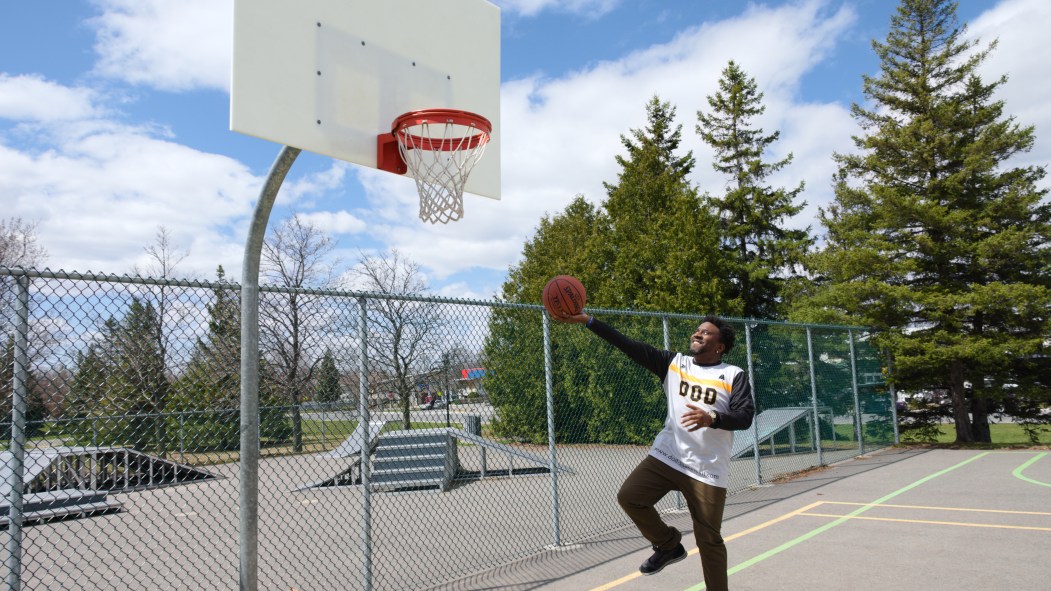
(433, 403)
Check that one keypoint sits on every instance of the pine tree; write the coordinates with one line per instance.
(651, 246)
(933, 237)
(657, 241)
(761, 254)
(35, 409)
(212, 379)
(120, 389)
(328, 387)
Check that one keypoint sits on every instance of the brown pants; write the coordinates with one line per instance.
(648, 484)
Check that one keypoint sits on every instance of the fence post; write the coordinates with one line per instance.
(857, 398)
(363, 425)
(248, 537)
(813, 398)
(16, 478)
(755, 402)
(667, 347)
(182, 437)
(893, 397)
(552, 455)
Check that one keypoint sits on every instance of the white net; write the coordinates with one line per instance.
(440, 152)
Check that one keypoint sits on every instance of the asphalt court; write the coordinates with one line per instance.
(898, 519)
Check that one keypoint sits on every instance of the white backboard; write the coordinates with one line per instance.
(328, 76)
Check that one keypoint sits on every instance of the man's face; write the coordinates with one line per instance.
(706, 341)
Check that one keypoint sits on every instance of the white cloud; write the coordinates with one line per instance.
(560, 134)
(101, 187)
(181, 45)
(1019, 27)
(101, 192)
(337, 222)
(588, 8)
(32, 98)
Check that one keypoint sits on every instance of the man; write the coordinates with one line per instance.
(707, 400)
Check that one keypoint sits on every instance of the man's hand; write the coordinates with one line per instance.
(695, 418)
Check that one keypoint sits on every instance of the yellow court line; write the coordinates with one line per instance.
(756, 528)
(1004, 511)
(926, 521)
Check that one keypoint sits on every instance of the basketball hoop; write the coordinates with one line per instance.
(440, 147)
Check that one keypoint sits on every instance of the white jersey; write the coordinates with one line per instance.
(703, 454)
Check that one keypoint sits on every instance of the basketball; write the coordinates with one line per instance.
(564, 296)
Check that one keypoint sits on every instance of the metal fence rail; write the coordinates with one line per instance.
(490, 433)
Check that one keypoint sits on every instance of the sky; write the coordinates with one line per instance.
(114, 123)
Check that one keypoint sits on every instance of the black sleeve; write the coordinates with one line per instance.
(742, 408)
(654, 359)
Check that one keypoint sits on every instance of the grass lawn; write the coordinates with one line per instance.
(1002, 434)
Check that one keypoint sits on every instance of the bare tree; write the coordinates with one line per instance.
(402, 333)
(296, 254)
(164, 258)
(18, 248)
(18, 244)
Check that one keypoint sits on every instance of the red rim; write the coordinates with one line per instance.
(480, 124)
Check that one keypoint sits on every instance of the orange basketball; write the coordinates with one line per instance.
(564, 295)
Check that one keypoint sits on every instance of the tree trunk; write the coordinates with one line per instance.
(980, 418)
(959, 403)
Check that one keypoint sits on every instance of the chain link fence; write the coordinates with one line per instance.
(404, 442)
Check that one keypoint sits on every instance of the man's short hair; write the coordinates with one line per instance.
(727, 334)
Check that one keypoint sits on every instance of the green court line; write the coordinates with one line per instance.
(844, 519)
(1018, 471)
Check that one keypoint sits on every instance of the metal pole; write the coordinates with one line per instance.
(667, 347)
(249, 469)
(363, 423)
(857, 399)
(552, 455)
(755, 398)
(16, 479)
(893, 397)
(182, 437)
(448, 395)
(813, 398)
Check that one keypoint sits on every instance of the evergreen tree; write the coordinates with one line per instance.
(120, 387)
(759, 252)
(209, 391)
(215, 364)
(328, 387)
(36, 410)
(658, 242)
(564, 244)
(933, 237)
(651, 246)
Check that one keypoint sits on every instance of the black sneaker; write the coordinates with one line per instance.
(661, 559)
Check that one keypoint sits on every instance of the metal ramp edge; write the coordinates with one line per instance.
(506, 449)
(113, 469)
(351, 474)
(351, 446)
(49, 506)
(767, 424)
